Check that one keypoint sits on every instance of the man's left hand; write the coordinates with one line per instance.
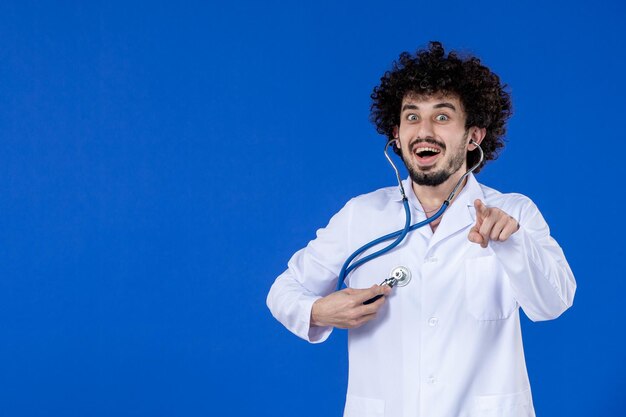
(491, 224)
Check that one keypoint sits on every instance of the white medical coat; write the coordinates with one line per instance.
(448, 344)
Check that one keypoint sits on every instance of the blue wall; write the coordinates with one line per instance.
(161, 161)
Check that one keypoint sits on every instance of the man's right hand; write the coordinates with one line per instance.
(344, 309)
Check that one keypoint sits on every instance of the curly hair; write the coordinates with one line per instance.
(485, 100)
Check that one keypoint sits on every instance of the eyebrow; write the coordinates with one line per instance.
(436, 106)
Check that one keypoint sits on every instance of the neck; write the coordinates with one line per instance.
(432, 197)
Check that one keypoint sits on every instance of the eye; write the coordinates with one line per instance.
(411, 117)
(442, 118)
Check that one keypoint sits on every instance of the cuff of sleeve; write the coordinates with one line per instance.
(311, 334)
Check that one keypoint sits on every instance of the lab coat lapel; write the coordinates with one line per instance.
(417, 212)
(458, 216)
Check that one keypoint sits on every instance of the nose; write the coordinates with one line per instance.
(425, 129)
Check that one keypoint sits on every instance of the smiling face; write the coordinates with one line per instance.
(433, 138)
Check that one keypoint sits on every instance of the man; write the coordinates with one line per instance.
(449, 343)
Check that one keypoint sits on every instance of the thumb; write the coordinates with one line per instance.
(475, 236)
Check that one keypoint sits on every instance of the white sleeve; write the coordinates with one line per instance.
(312, 273)
(542, 281)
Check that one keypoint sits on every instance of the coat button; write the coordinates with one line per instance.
(432, 322)
(431, 379)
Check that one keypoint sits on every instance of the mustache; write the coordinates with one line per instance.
(430, 141)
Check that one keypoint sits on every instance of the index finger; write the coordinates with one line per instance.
(481, 209)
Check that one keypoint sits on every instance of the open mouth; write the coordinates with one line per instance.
(426, 155)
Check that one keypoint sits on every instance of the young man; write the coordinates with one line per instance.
(449, 343)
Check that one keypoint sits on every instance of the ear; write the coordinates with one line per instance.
(396, 136)
(477, 134)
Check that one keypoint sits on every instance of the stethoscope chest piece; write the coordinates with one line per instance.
(400, 276)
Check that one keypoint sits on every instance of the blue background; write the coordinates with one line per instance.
(161, 161)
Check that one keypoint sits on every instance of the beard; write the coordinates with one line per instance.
(433, 178)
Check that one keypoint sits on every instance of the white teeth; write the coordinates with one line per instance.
(418, 150)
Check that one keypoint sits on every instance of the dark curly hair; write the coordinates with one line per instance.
(485, 100)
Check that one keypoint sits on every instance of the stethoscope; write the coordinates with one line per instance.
(400, 275)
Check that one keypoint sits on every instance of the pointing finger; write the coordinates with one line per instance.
(481, 209)
(479, 221)
(486, 228)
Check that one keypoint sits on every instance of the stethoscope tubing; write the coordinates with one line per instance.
(400, 234)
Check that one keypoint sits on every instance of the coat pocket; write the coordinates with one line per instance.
(518, 404)
(488, 294)
(364, 407)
